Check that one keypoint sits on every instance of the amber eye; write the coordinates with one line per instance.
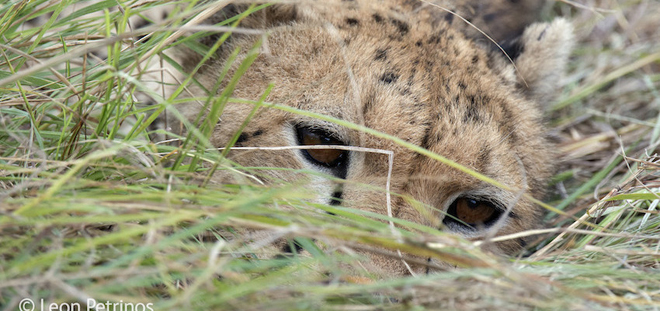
(325, 157)
(472, 213)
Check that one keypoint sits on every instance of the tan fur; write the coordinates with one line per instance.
(398, 67)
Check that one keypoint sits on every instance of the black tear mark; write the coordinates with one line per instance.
(352, 22)
(389, 77)
(381, 54)
(401, 26)
(335, 200)
(377, 18)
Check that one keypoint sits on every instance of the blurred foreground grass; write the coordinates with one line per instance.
(92, 207)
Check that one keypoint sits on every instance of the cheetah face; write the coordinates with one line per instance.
(413, 77)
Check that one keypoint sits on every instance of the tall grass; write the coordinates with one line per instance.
(95, 204)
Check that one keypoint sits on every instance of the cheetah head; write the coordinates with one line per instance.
(405, 71)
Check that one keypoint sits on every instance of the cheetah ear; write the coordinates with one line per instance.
(540, 55)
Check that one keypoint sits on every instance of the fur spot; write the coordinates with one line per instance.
(389, 77)
(426, 139)
(436, 37)
(241, 139)
(381, 54)
(471, 115)
(401, 26)
(489, 17)
(352, 22)
(377, 18)
(411, 78)
(473, 111)
(449, 17)
(245, 137)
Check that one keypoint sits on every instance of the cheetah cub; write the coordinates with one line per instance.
(412, 70)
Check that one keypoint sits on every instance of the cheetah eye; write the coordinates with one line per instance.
(472, 213)
(330, 158)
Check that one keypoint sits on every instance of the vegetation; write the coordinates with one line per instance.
(95, 204)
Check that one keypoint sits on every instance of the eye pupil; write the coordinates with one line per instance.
(471, 203)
